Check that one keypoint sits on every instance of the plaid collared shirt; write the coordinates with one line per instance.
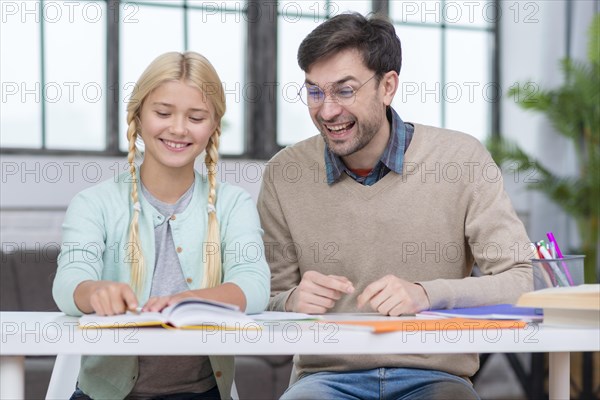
(392, 158)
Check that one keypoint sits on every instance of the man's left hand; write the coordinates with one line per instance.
(393, 296)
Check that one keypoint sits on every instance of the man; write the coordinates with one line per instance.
(382, 215)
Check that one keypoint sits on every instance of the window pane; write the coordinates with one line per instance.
(339, 6)
(469, 13)
(229, 65)
(216, 7)
(157, 2)
(293, 11)
(418, 96)
(429, 11)
(293, 120)
(75, 89)
(20, 66)
(142, 42)
(469, 91)
(479, 13)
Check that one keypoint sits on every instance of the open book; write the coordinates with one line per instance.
(577, 306)
(190, 313)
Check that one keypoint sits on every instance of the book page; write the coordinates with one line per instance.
(205, 314)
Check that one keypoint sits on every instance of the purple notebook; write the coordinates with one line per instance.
(497, 311)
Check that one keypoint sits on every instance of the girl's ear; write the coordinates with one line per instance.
(389, 84)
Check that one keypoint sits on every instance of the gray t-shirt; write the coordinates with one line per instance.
(170, 374)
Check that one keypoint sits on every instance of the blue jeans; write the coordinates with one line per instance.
(381, 384)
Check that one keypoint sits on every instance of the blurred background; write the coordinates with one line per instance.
(67, 69)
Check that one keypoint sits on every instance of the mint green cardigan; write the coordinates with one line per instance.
(95, 239)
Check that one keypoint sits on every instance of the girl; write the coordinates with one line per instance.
(154, 236)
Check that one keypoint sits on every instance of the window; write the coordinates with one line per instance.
(53, 76)
(446, 77)
(55, 82)
(66, 81)
(215, 30)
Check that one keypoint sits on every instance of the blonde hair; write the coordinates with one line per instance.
(196, 70)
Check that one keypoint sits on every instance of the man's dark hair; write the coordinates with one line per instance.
(374, 37)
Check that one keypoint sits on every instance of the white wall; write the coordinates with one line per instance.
(36, 191)
(531, 49)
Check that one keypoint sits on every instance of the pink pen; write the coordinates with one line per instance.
(559, 255)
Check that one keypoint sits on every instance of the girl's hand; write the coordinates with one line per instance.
(227, 293)
(156, 304)
(105, 297)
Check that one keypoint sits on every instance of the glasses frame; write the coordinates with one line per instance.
(332, 93)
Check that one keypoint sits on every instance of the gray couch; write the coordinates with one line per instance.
(25, 285)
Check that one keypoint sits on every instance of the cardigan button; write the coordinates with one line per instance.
(218, 374)
(179, 249)
(173, 217)
(189, 280)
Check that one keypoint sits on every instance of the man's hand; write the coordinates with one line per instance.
(317, 293)
(105, 297)
(393, 296)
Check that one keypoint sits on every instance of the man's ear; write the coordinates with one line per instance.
(389, 85)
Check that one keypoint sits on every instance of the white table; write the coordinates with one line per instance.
(35, 333)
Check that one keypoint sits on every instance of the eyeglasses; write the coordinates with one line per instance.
(313, 96)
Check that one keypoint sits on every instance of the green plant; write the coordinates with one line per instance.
(574, 111)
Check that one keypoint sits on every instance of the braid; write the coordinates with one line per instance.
(134, 247)
(213, 270)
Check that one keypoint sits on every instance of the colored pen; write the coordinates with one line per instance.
(559, 255)
(546, 267)
(559, 276)
(542, 244)
(536, 254)
(552, 249)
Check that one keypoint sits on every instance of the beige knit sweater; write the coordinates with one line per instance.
(429, 225)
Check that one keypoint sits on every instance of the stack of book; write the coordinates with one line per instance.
(577, 306)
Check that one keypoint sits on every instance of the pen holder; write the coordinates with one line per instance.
(556, 272)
